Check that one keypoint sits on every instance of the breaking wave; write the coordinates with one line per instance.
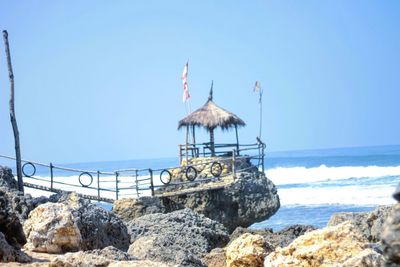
(296, 175)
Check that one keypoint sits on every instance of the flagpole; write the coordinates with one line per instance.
(260, 113)
(257, 88)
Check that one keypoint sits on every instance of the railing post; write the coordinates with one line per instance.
(51, 176)
(151, 182)
(262, 157)
(137, 183)
(233, 164)
(98, 184)
(180, 154)
(116, 185)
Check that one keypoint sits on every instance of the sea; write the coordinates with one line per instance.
(312, 184)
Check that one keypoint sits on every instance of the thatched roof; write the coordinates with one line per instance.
(211, 116)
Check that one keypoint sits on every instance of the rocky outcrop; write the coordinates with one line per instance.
(103, 257)
(247, 251)
(52, 228)
(215, 258)
(12, 237)
(370, 224)
(19, 203)
(281, 238)
(332, 246)
(22, 204)
(181, 237)
(7, 178)
(250, 198)
(73, 224)
(391, 237)
(9, 253)
(10, 225)
(131, 208)
(366, 258)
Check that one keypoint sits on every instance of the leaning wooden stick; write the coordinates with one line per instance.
(12, 114)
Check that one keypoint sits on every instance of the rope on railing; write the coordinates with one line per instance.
(143, 183)
(57, 167)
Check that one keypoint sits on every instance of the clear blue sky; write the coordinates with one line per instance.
(100, 80)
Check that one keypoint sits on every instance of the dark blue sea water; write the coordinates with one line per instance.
(311, 184)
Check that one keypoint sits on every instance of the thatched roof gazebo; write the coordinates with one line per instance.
(211, 116)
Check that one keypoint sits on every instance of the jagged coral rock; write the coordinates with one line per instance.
(73, 224)
(131, 208)
(391, 237)
(331, 246)
(52, 228)
(181, 237)
(250, 198)
(97, 257)
(12, 237)
(247, 251)
(215, 258)
(370, 223)
(366, 258)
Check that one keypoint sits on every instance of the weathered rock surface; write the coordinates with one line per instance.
(247, 251)
(10, 225)
(366, 258)
(370, 224)
(52, 228)
(12, 237)
(281, 238)
(103, 257)
(215, 258)
(9, 253)
(181, 237)
(21, 204)
(391, 238)
(331, 246)
(7, 178)
(251, 198)
(131, 208)
(73, 224)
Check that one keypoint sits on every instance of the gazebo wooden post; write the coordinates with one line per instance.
(237, 140)
(187, 143)
(194, 141)
(212, 146)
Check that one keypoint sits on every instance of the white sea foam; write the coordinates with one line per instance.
(371, 194)
(348, 195)
(295, 175)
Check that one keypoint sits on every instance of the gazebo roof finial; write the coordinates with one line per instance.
(211, 91)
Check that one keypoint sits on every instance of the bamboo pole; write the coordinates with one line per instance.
(187, 143)
(234, 164)
(12, 114)
(194, 141)
(237, 140)
(212, 146)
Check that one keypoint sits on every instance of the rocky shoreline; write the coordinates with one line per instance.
(201, 229)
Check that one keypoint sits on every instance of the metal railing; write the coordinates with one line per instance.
(108, 186)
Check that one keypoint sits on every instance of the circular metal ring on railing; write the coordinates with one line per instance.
(191, 173)
(216, 169)
(85, 174)
(33, 169)
(163, 179)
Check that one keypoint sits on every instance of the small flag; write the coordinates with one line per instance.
(257, 87)
(186, 94)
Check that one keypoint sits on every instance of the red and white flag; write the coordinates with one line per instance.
(186, 94)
